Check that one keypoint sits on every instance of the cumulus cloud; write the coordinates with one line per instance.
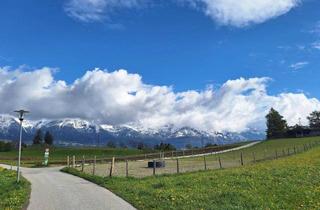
(299, 65)
(237, 13)
(96, 10)
(119, 97)
(244, 12)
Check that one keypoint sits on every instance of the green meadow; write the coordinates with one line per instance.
(289, 182)
(13, 196)
(34, 155)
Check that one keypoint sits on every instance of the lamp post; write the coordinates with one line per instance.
(21, 115)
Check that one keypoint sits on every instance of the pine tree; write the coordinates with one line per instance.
(276, 125)
(314, 120)
(48, 138)
(38, 138)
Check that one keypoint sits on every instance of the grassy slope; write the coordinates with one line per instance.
(288, 183)
(12, 195)
(34, 154)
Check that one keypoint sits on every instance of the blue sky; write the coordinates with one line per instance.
(168, 44)
(186, 44)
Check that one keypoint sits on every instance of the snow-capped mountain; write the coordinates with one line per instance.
(78, 131)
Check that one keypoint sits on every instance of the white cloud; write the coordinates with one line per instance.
(122, 98)
(316, 45)
(241, 13)
(237, 13)
(96, 10)
(299, 65)
(316, 29)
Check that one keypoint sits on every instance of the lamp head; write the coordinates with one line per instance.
(21, 113)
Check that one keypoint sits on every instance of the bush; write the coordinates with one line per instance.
(6, 146)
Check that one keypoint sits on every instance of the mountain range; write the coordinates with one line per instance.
(82, 132)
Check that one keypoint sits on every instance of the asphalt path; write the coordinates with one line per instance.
(55, 190)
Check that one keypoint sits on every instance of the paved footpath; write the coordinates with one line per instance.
(54, 190)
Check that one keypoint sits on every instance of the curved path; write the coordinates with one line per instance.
(219, 152)
(54, 190)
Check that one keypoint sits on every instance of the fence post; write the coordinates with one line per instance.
(205, 162)
(276, 154)
(73, 161)
(154, 167)
(94, 165)
(241, 158)
(112, 167)
(82, 163)
(127, 168)
(68, 161)
(220, 164)
(283, 152)
(178, 169)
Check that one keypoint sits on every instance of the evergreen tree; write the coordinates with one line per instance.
(38, 137)
(111, 144)
(314, 120)
(276, 125)
(48, 138)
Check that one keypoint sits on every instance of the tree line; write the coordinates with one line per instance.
(277, 126)
(40, 139)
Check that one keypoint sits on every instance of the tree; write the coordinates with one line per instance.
(38, 139)
(314, 120)
(111, 144)
(48, 138)
(189, 146)
(276, 125)
(164, 147)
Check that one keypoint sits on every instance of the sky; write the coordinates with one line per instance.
(216, 65)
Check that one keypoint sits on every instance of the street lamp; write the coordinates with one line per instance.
(21, 115)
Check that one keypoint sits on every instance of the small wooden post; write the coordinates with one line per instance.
(127, 168)
(73, 161)
(283, 152)
(205, 162)
(112, 167)
(171, 154)
(182, 152)
(178, 169)
(220, 164)
(276, 154)
(94, 165)
(82, 163)
(154, 167)
(241, 158)
(68, 161)
(294, 150)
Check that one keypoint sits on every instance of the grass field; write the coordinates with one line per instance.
(262, 151)
(291, 182)
(12, 195)
(33, 155)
